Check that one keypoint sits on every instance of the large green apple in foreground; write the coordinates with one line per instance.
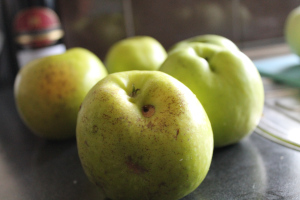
(292, 30)
(207, 39)
(135, 53)
(48, 91)
(226, 83)
(144, 135)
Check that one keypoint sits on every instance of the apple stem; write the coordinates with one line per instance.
(134, 91)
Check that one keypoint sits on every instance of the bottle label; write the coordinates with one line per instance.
(25, 56)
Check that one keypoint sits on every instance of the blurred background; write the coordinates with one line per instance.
(97, 24)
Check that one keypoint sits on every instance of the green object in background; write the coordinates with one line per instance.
(280, 122)
(285, 69)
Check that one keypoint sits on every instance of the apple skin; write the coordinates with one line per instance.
(207, 39)
(226, 83)
(292, 30)
(48, 91)
(132, 153)
(135, 53)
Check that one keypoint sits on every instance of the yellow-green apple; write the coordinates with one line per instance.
(144, 135)
(48, 91)
(226, 83)
(292, 30)
(207, 39)
(135, 53)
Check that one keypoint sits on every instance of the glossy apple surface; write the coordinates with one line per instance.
(48, 91)
(226, 83)
(206, 39)
(135, 53)
(144, 135)
(292, 30)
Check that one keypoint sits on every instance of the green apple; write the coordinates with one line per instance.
(144, 135)
(48, 91)
(135, 53)
(292, 30)
(207, 39)
(226, 83)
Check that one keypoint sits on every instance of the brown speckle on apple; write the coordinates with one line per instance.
(95, 129)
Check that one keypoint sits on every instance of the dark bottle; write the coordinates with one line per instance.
(35, 29)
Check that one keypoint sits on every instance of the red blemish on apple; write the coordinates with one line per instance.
(135, 168)
(177, 133)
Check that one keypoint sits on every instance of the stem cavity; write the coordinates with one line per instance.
(148, 110)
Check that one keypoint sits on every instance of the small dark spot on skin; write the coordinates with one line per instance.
(162, 184)
(63, 83)
(84, 119)
(98, 184)
(105, 116)
(48, 91)
(86, 143)
(59, 96)
(80, 106)
(95, 129)
(48, 78)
